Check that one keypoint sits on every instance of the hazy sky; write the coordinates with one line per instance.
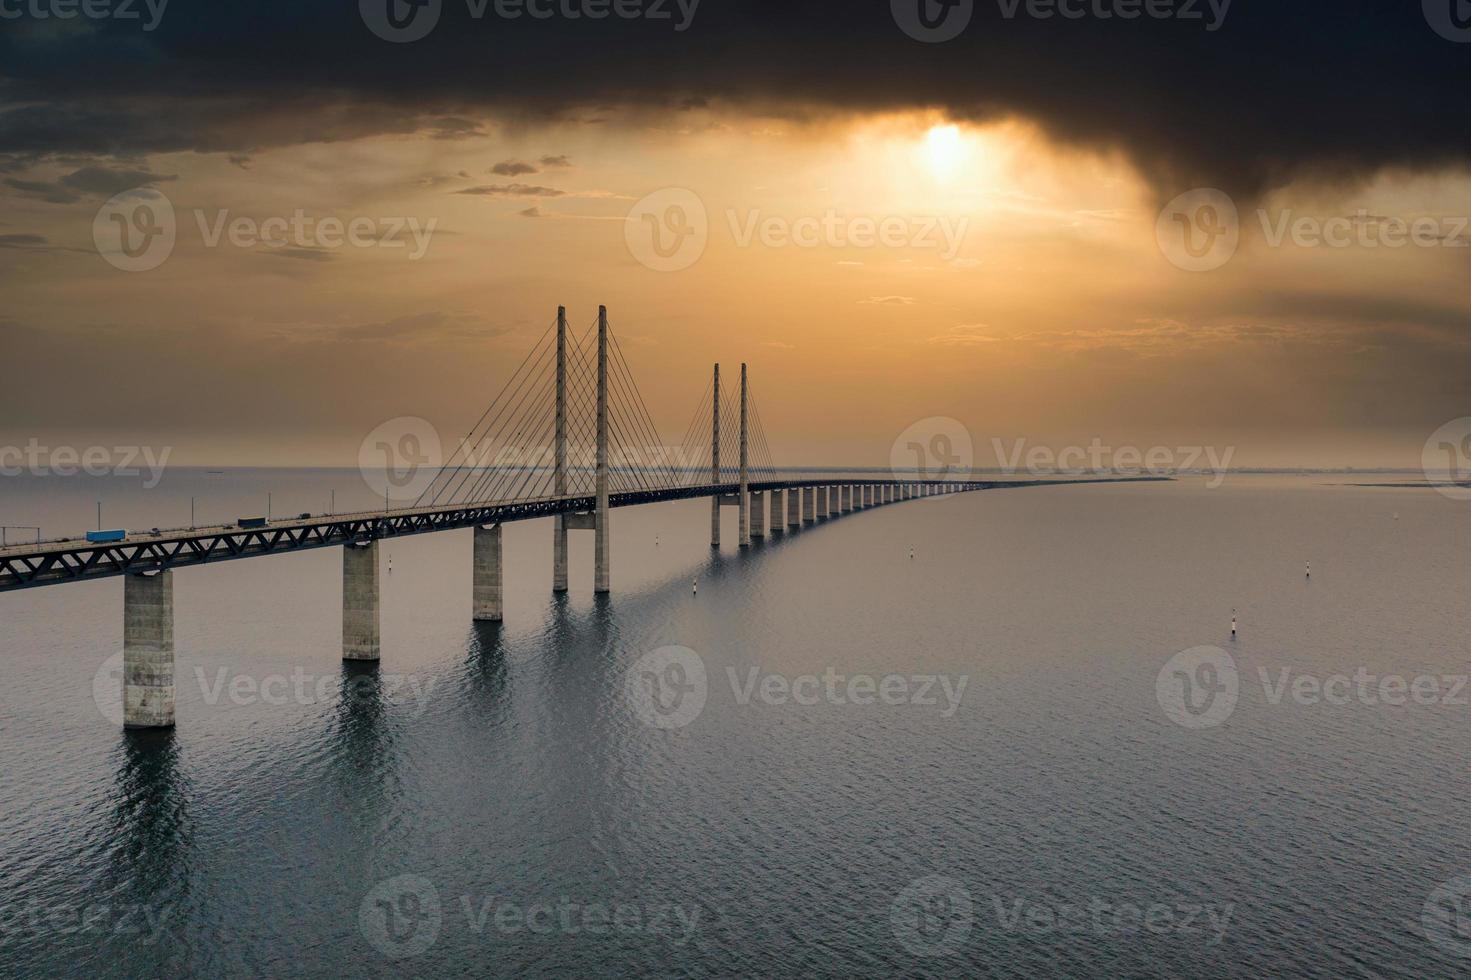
(1025, 283)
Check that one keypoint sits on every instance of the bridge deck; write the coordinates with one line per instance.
(74, 560)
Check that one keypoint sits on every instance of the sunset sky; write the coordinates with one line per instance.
(1027, 162)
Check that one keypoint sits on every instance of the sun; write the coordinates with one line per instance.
(944, 151)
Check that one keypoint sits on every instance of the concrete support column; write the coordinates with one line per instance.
(794, 508)
(809, 504)
(488, 594)
(559, 523)
(360, 632)
(758, 514)
(715, 465)
(603, 561)
(148, 650)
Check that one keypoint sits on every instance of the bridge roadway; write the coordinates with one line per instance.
(76, 560)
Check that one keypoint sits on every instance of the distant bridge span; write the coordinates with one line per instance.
(563, 396)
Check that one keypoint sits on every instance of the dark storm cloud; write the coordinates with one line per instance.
(1335, 88)
(89, 181)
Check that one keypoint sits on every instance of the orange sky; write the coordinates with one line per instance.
(1023, 291)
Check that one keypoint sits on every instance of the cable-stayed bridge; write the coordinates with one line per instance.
(569, 437)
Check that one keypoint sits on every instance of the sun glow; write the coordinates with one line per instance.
(944, 151)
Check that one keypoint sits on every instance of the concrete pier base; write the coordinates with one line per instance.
(794, 509)
(758, 514)
(809, 505)
(489, 596)
(361, 639)
(822, 510)
(148, 650)
(559, 553)
(778, 511)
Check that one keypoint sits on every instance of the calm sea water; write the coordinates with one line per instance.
(493, 800)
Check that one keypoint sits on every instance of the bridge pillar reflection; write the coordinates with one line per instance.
(361, 638)
(488, 593)
(148, 650)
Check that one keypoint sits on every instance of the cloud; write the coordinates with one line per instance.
(511, 190)
(531, 212)
(89, 181)
(513, 168)
(225, 80)
(964, 335)
(428, 327)
(887, 301)
(556, 162)
(301, 253)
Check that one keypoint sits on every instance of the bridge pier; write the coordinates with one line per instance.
(809, 505)
(758, 514)
(559, 553)
(361, 639)
(489, 597)
(794, 508)
(148, 650)
(778, 508)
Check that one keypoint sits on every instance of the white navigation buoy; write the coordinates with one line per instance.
(1309, 571)
(911, 554)
(695, 589)
(1233, 624)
